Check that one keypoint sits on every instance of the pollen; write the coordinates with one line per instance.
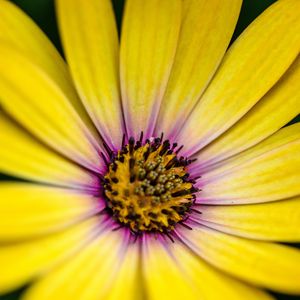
(147, 186)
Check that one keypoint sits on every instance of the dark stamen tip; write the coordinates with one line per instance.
(179, 149)
(102, 211)
(196, 211)
(161, 137)
(185, 225)
(141, 137)
(123, 140)
(170, 237)
(117, 228)
(107, 149)
(115, 180)
(132, 178)
(104, 158)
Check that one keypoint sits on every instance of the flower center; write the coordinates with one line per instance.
(147, 187)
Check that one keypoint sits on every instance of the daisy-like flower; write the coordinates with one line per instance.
(159, 170)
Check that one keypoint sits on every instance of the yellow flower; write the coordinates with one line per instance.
(112, 207)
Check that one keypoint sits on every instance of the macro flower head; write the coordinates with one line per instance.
(152, 166)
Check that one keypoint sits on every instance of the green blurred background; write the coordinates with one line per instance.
(42, 11)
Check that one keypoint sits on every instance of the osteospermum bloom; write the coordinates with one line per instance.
(157, 171)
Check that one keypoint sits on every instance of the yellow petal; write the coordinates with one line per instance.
(210, 283)
(29, 210)
(172, 271)
(19, 30)
(253, 64)
(128, 282)
(206, 29)
(148, 44)
(25, 157)
(276, 221)
(96, 268)
(38, 103)
(268, 265)
(274, 110)
(22, 262)
(281, 138)
(163, 278)
(90, 41)
(272, 174)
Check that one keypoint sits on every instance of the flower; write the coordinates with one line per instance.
(112, 206)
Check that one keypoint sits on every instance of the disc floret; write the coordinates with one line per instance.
(147, 187)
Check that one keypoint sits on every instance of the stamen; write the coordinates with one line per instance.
(141, 137)
(107, 149)
(179, 149)
(170, 237)
(123, 141)
(196, 211)
(186, 226)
